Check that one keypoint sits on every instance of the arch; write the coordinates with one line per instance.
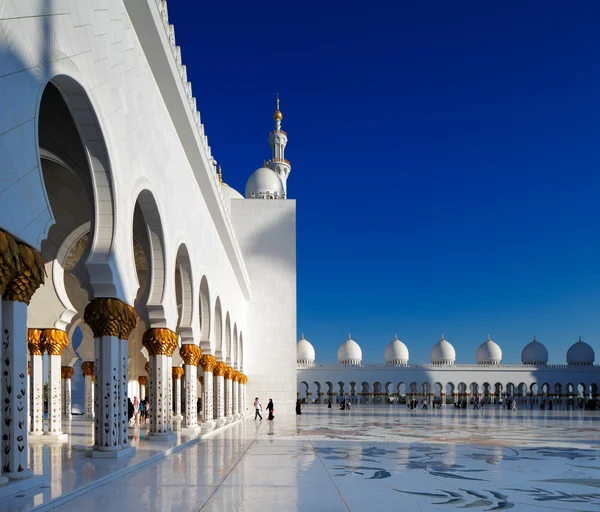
(236, 348)
(241, 352)
(219, 330)
(228, 347)
(342, 388)
(184, 286)
(204, 312)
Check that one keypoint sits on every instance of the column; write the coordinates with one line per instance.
(228, 391)
(219, 391)
(66, 372)
(191, 355)
(111, 321)
(443, 398)
(54, 341)
(36, 386)
(236, 393)
(243, 394)
(208, 363)
(160, 343)
(87, 368)
(143, 380)
(177, 373)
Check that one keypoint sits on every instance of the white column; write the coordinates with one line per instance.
(66, 374)
(160, 373)
(87, 368)
(191, 396)
(207, 397)
(142, 381)
(36, 410)
(219, 396)
(228, 395)
(177, 373)
(54, 428)
(236, 396)
(243, 398)
(13, 356)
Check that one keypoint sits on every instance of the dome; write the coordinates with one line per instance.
(535, 353)
(443, 353)
(230, 193)
(349, 352)
(305, 352)
(264, 183)
(396, 353)
(580, 354)
(489, 353)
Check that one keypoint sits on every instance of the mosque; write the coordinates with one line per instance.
(116, 228)
(443, 381)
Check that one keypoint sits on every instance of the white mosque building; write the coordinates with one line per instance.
(442, 381)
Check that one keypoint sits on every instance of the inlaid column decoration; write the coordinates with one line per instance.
(21, 274)
(228, 390)
(177, 373)
(208, 363)
(87, 368)
(54, 342)
(236, 392)
(36, 386)
(191, 355)
(160, 343)
(243, 381)
(111, 321)
(143, 381)
(66, 372)
(219, 390)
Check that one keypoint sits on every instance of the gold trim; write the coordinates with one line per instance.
(177, 372)
(66, 372)
(147, 367)
(208, 362)
(53, 341)
(87, 368)
(142, 380)
(160, 341)
(229, 372)
(190, 354)
(110, 317)
(220, 369)
(34, 345)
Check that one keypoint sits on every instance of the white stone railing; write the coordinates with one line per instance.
(429, 366)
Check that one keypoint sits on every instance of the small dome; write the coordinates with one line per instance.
(305, 352)
(580, 354)
(264, 183)
(396, 353)
(230, 193)
(349, 352)
(443, 353)
(277, 116)
(535, 353)
(489, 353)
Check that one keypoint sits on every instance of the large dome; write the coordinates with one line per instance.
(230, 193)
(443, 353)
(580, 354)
(349, 352)
(396, 353)
(489, 353)
(535, 353)
(305, 352)
(264, 183)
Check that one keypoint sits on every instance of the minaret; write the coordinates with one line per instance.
(278, 141)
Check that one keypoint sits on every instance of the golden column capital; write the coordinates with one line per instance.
(236, 376)
(28, 368)
(201, 379)
(208, 362)
(219, 370)
(87, 368)
(34, 343)
(177, 372)
(160, 341)
(21, 269)
(147, 367)
(229, 372)
(54, 341)
(142, 380)
(66, 372)
(110, 317)
(190, 354)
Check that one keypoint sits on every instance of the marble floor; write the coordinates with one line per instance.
(371, 458)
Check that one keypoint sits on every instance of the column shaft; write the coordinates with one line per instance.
(54, 396)
(89, 397)
(191, 395)
(36, 412)
(228, 397)
(219, 399)
(107, 428)
(207, 396)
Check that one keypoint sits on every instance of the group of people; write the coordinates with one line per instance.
(140, 410)
(258, 408)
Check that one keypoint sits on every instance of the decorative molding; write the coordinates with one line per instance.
(53, 341)
(160, 341)
(110, 317)
(208, 362)
(34, 344)
(66, 372)
(190, 353)
(87, 368)
(177, 372)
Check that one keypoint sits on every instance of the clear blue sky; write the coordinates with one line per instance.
(445, 159)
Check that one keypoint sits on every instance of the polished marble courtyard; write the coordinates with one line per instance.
(384, 458)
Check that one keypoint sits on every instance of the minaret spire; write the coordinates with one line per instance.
(278, 141)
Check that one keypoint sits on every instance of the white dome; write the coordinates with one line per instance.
(349, 352)
(305, 352)
(580, 354)
(230, 193)
(443, 353)
(396, 353)
(264, 183)
(489, 353)
(535, 353)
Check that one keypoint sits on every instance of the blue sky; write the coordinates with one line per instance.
(444, 159)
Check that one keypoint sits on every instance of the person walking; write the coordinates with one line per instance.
(298, 407)
(258, 408)
(136, 409)
(271, 409)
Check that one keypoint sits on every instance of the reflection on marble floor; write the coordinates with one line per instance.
(388, 459)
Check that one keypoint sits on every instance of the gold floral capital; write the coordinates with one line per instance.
(110, 317)
(229, 372)
(66, 372)
(143, 380)
(190, 354)
(220, 369)
(147, 367)
(54, 341)
(208, 363)
(87, 368)
(21, 269)
(34, 344)
(160, 341)
(177, 372)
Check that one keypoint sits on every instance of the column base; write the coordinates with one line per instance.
(237, 416)
(150, 436)
(208, 425)
(53, 437)
(178, 417)
(221, 421)
(20, 484)
(35, 434)
(114, 454)
(191, 430)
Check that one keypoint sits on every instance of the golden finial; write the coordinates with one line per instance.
(220, 173)
(277, 116)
